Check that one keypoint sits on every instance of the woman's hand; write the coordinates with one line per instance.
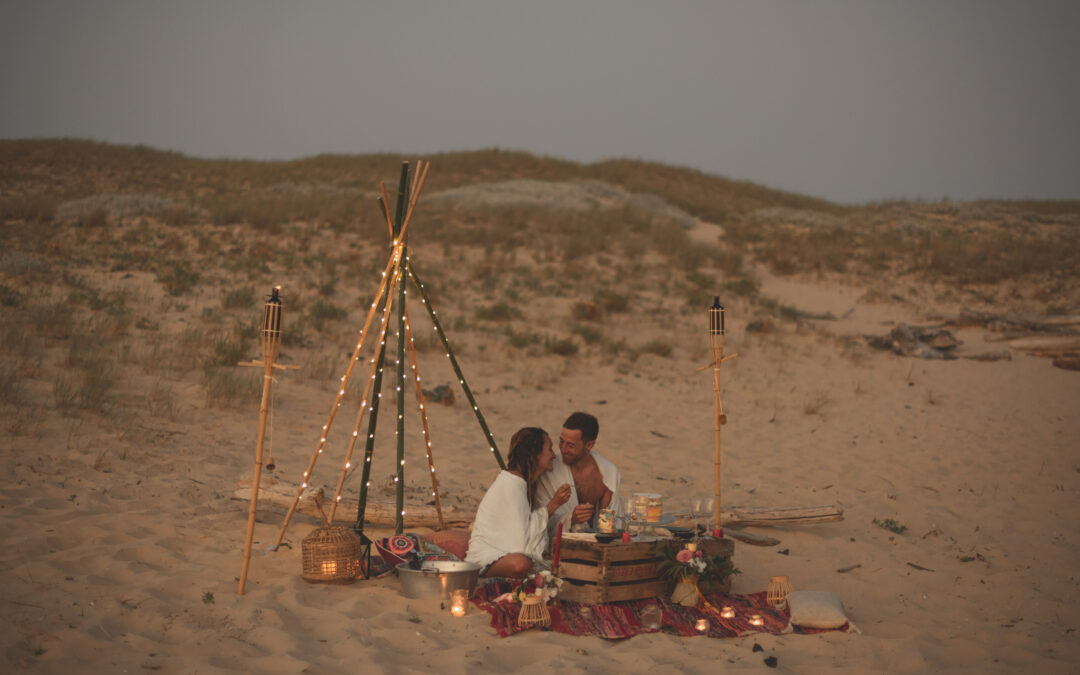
(561, 496)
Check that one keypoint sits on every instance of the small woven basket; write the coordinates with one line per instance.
(332, 555)
(534, 612)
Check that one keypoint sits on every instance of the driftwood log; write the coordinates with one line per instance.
(792, 515)
(1005, 322)
(1047, 343)
(273, 494)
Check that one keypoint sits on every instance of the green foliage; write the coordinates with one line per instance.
(522, 340)
(32, 208)
(178, 278)
(657, 347)
(890, 525)
(10, 297)
(707, 568)
(96, 218)
(208, 598)
(561, 346)
(231, 387)
(227, 351)
(590, 334)
(239, 298)
(500, 311)
(612, 302)
(323, 312)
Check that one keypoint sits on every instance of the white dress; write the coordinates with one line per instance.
(505, 523)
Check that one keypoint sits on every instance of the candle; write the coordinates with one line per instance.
(691, 546)
(458, 601)
(702, 625)
(558, 546)
(727, 612)
(756, 620)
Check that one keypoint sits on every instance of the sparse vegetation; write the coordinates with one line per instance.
(81, 269)
(890, 524)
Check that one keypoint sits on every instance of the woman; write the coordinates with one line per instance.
(508, 534)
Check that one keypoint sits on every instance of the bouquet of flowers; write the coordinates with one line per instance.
(692, 561)
(541, 583)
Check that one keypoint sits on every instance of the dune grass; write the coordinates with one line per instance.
(123, 261)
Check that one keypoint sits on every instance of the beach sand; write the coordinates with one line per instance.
(124, 546)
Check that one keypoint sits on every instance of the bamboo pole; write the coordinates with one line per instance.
(424, 423)
(363, 402)
(716, 344)
(376, 395)
(271, 343)
(453, 362)
(399, 381)
(386, 275)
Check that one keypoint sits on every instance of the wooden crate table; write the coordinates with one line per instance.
(596, 573)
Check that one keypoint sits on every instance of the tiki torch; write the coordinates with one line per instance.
(271, 344)
(716, 344)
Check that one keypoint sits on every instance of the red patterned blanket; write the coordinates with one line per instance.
(623, 619)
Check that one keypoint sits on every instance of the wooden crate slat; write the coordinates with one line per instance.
(583, 572)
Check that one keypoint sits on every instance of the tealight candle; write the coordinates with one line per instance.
(727, 612)
(756, 620)
(458, 600)
(702, 625)
(691, 546)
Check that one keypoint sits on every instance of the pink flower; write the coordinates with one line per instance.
(684, 555)
(698, 553)
(538, 581)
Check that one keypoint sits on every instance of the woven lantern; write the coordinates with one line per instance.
(776, 596)
(534, 612)
(335, 555)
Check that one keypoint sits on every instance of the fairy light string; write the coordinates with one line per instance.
(386, 275)
(424, 421)
(347, 465)
(426, 301)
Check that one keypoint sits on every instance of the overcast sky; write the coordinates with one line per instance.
(851, 101)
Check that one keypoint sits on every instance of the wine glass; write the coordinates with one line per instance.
(710, 505)
(696, 506)
(628, 512)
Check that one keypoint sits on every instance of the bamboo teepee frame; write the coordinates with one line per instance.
(390, 295)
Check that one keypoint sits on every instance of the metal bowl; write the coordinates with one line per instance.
(437, 578)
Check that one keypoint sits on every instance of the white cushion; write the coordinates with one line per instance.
(816, 609)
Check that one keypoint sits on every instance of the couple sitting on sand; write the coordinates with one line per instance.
(536, 492)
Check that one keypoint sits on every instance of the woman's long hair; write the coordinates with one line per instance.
(525, 448)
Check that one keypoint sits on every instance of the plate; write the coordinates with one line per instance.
(680, 532)
(606, 537)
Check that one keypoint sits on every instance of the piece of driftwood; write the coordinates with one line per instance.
(927, 342)
(749, 537)
(792, 515)
(1047, 343)
(797, 313)
(1006, 322)
(1000, 355)
(1067, 362)
(273, 494)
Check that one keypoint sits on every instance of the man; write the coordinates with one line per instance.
(594, 481)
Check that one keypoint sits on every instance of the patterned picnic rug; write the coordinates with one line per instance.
(618, 620)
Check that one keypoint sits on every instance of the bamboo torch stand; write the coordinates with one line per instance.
(716, 344)
(271, 344)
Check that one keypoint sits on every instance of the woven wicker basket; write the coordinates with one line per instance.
(332, 555)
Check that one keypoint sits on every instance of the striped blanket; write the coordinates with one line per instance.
(619, 620)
